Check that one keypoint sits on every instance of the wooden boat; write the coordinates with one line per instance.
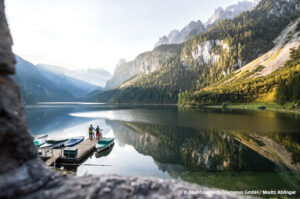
(59, 144)
(54, 146)
(262, 107)
(46, 145)
(73, 141)
(56, 140)
(39, 140)
(104, 144)
(104, 152)
(41, 136)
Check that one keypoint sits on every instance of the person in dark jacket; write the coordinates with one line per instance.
(98, 133)
(91, 132)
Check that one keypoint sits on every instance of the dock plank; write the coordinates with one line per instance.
(51, 160)
(85, 147)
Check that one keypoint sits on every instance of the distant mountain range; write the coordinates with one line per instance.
(52, 83)
(96, 77)
(196, 27)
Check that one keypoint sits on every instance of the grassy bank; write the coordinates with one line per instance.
(289, 108)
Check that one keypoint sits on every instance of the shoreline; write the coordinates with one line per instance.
(234, 106)
(255, 106)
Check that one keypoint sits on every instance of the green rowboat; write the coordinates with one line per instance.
(104, 143)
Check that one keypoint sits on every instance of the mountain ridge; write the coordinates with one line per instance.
(211, 56)
(145, 63)
(175, 37)
(196, 27)
(39, 83)
(96, 77)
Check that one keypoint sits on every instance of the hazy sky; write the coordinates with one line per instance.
(83, 34)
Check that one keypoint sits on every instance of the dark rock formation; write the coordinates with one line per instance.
(15, 141)
(22, 173)
(7, 60)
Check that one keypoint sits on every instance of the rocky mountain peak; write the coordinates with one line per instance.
(179, 36)
(196, 27)
(231, 11)
(283, 7)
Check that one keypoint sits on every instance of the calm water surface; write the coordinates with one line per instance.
(234, 150)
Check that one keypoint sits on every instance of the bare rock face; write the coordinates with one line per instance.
(176, 37)
(230, 12)
(22, 173)
(15, 141)
(16, 144)
(144, 63)
(7, 59)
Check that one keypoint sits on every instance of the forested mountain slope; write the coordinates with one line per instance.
(214, 56)
(273, 77)
(145, 63)
(149, 62)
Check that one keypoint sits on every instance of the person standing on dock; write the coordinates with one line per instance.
(97, 133)
(91, 132)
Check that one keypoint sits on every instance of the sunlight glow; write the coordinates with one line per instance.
(80, 34)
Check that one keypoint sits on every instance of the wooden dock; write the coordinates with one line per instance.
(51, 156)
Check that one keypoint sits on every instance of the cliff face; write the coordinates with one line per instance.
(283, 7)
(145, 63)
(205, 52)
(219, 51)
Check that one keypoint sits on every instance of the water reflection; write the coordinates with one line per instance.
(105, 152)
(209, 150)
(191, 154)
(230, 150)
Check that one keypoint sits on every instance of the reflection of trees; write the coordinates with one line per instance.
(292, 143)
(195, 150)
(104, 153)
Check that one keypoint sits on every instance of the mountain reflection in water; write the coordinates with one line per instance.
(233, 150)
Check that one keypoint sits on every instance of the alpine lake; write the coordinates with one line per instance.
(225, 149)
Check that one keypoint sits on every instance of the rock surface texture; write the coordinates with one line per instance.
(7, 60)
(145, 63)
(22, 173)
(175, 36)
(168, 46)
(230, 12)
(196, 27)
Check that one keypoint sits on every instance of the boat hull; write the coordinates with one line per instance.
(104, 144)
(56, 141)
(73, 141)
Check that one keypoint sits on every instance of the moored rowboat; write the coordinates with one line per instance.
(56, 140)
(104, 143)
(40, 140)
(74, 141)
(41, 136)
